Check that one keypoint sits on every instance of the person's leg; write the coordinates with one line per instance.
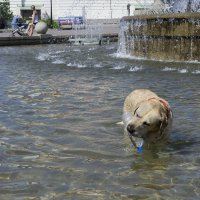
(30, 33)
(28, 28)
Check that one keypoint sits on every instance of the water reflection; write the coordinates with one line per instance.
(59, 138)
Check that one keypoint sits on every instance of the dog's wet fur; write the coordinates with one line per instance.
(150, 117)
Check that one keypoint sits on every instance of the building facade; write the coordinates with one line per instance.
(90, 9)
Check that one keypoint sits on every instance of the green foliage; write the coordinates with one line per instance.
(54, 24)
(5, 10)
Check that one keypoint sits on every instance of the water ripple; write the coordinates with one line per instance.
(59, 139)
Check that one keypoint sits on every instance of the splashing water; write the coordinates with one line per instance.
(122, 49)
(185, 6)
(138, 37)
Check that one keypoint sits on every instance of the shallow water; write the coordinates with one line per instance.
(59, 139)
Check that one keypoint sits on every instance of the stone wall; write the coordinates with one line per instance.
(164, 37)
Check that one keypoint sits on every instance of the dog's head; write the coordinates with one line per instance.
(148, 121)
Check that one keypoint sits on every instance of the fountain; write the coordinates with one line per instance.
(186, 6)
(171, 36)
(90, 34)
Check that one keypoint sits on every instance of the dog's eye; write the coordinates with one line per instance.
(146, 124)
(138, 116)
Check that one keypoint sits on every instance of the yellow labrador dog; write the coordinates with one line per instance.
(147, 117)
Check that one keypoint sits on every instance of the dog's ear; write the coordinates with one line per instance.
(163, 125)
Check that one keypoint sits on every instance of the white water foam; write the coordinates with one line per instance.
(98, 65)
(183, 71)
(127, 56)
(196, 72)
(81, 66)
(58, 61)
(110, 47)
(76, 65)
(71, 64)
(118, 67)
(135, 69)
(92, 49)
(76, 50)
(168, 69)
(36, 94)
(43, 56)
(58, 52)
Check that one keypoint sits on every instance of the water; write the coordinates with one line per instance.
(185, 6)
(59, 138)
(91, 34)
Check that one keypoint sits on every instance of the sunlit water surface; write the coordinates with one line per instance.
(58, 134)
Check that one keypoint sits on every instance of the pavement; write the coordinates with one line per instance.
(106, 30)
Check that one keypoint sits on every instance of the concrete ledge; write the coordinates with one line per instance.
(24, 40)
(45, 39)
(193, 15)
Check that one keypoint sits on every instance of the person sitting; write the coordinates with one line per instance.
(34, 21)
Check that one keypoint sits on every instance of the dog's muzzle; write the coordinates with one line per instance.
(131, 129)
(134, 136)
